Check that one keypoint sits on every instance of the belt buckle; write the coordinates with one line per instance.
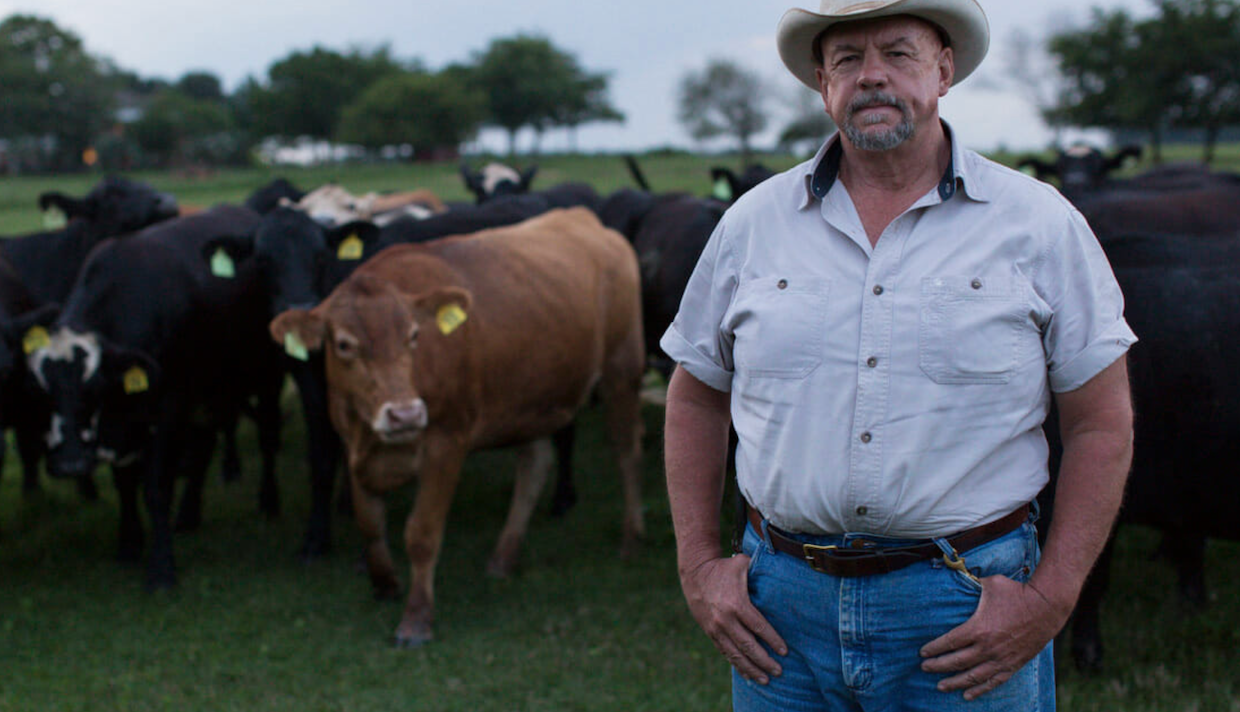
(809, 557)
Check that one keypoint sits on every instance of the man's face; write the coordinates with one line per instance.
(881, 79)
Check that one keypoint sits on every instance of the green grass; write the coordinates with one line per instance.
(252, 628)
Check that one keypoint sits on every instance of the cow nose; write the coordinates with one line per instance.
(407, 415)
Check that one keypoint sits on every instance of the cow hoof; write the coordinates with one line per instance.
(409, 636)
(561, 505)
(312, 551)
(501, 568)
(387, 593)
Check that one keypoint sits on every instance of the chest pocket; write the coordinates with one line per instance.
(969, 329)
(779, 325)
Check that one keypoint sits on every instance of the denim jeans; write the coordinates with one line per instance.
(853, 642)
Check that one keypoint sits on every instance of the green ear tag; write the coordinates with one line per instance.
(135, 381)
(54, 219)
(222, 265)
(294, 347)
(723, 189)
(350, 248)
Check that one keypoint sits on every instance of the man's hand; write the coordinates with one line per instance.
(1012, 623)
(718, 596)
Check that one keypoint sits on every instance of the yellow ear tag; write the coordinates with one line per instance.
(135, 381)
(723, 189)
(222, 265)
(450, 317)
(54, 219)
(350, 248)
(35, 339)
(294, 347)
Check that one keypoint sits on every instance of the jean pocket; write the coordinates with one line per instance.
(968, 329)
(779, 325)
(1012, 555)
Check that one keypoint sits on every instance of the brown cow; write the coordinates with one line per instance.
(476, 341)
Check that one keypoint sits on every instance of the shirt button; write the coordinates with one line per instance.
(862, 511)
(976, 284)
(866, 437)
(878, 289)
(871, 362)
(783, 284)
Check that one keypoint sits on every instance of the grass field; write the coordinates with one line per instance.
(252, 628)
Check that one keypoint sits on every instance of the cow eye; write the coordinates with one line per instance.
(346, 348)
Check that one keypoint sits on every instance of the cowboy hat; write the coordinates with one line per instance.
(962, 21)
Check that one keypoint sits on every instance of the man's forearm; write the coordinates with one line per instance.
(695, 451)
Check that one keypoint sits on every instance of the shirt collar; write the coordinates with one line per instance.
(821, 172)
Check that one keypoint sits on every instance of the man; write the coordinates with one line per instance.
(885, 326)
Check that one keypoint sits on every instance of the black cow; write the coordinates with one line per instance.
(150, 343)
(1204, 205)
(45, 264)
(728, 186)
(1080, 169)
(270, 196)
(1182, 298)
(496, 179)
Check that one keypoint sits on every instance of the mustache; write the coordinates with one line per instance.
(870, 99)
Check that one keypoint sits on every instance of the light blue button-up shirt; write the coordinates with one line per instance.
(898, 389)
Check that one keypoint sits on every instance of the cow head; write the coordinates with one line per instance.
(496, 179)
(268, 198)
(1081, 168)
(378, 343)
(99, 396)
(115, 206)
(301, 260)
(727, 186)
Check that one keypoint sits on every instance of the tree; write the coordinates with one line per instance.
(56, 95)
(307, 91)
(1207, 63)
(723, 100)
(528, 82)
(810, 122)
(179, 128)
(427, 111)
(203, 86)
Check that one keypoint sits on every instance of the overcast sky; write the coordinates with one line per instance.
(646, 45)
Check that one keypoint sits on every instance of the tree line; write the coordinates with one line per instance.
(65, 108)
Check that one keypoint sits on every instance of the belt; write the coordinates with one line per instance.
(869, 560)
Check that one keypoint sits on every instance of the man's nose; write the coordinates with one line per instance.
(873, 71)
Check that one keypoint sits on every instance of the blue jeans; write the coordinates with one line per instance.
(853, 642)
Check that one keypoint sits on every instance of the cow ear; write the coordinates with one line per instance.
(225, 253)
(446, 307)
(130, 372)
(28, 331)
(472, 179)
(299, 331)
(723, 184)
(527, 177)
(353, 241)
(71, 207)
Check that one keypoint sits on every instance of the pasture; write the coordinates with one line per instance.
(253, 628)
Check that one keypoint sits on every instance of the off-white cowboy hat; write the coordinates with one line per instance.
(962, 20)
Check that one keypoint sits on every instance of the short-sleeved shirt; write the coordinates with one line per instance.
(899, 389)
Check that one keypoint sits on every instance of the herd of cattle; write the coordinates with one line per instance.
(137, 336)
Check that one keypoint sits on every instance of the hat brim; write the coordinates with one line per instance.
(962, 20)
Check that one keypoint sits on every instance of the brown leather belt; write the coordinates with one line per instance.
(867, 560)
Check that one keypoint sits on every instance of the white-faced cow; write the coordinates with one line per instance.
(471, 342)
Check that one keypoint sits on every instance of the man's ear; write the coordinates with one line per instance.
(299, 331)
(947, 70)
(446, 307)
(71, 207)
(353, 240)
(225, 254)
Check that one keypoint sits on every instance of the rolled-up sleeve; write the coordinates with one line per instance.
(696, 339)
(1087, 331)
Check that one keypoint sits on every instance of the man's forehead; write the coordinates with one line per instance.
(881, 30)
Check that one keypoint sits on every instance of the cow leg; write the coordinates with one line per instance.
(565, 492)
(423, 540)
(30, 450)
(230, 461)
(193, 458)
(621, 391)
(129, 539)
(533, 467)
(324, 456)
(267, 418)
(1086, 631)
(371, 513)
(157, 490)
(1188, 552)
